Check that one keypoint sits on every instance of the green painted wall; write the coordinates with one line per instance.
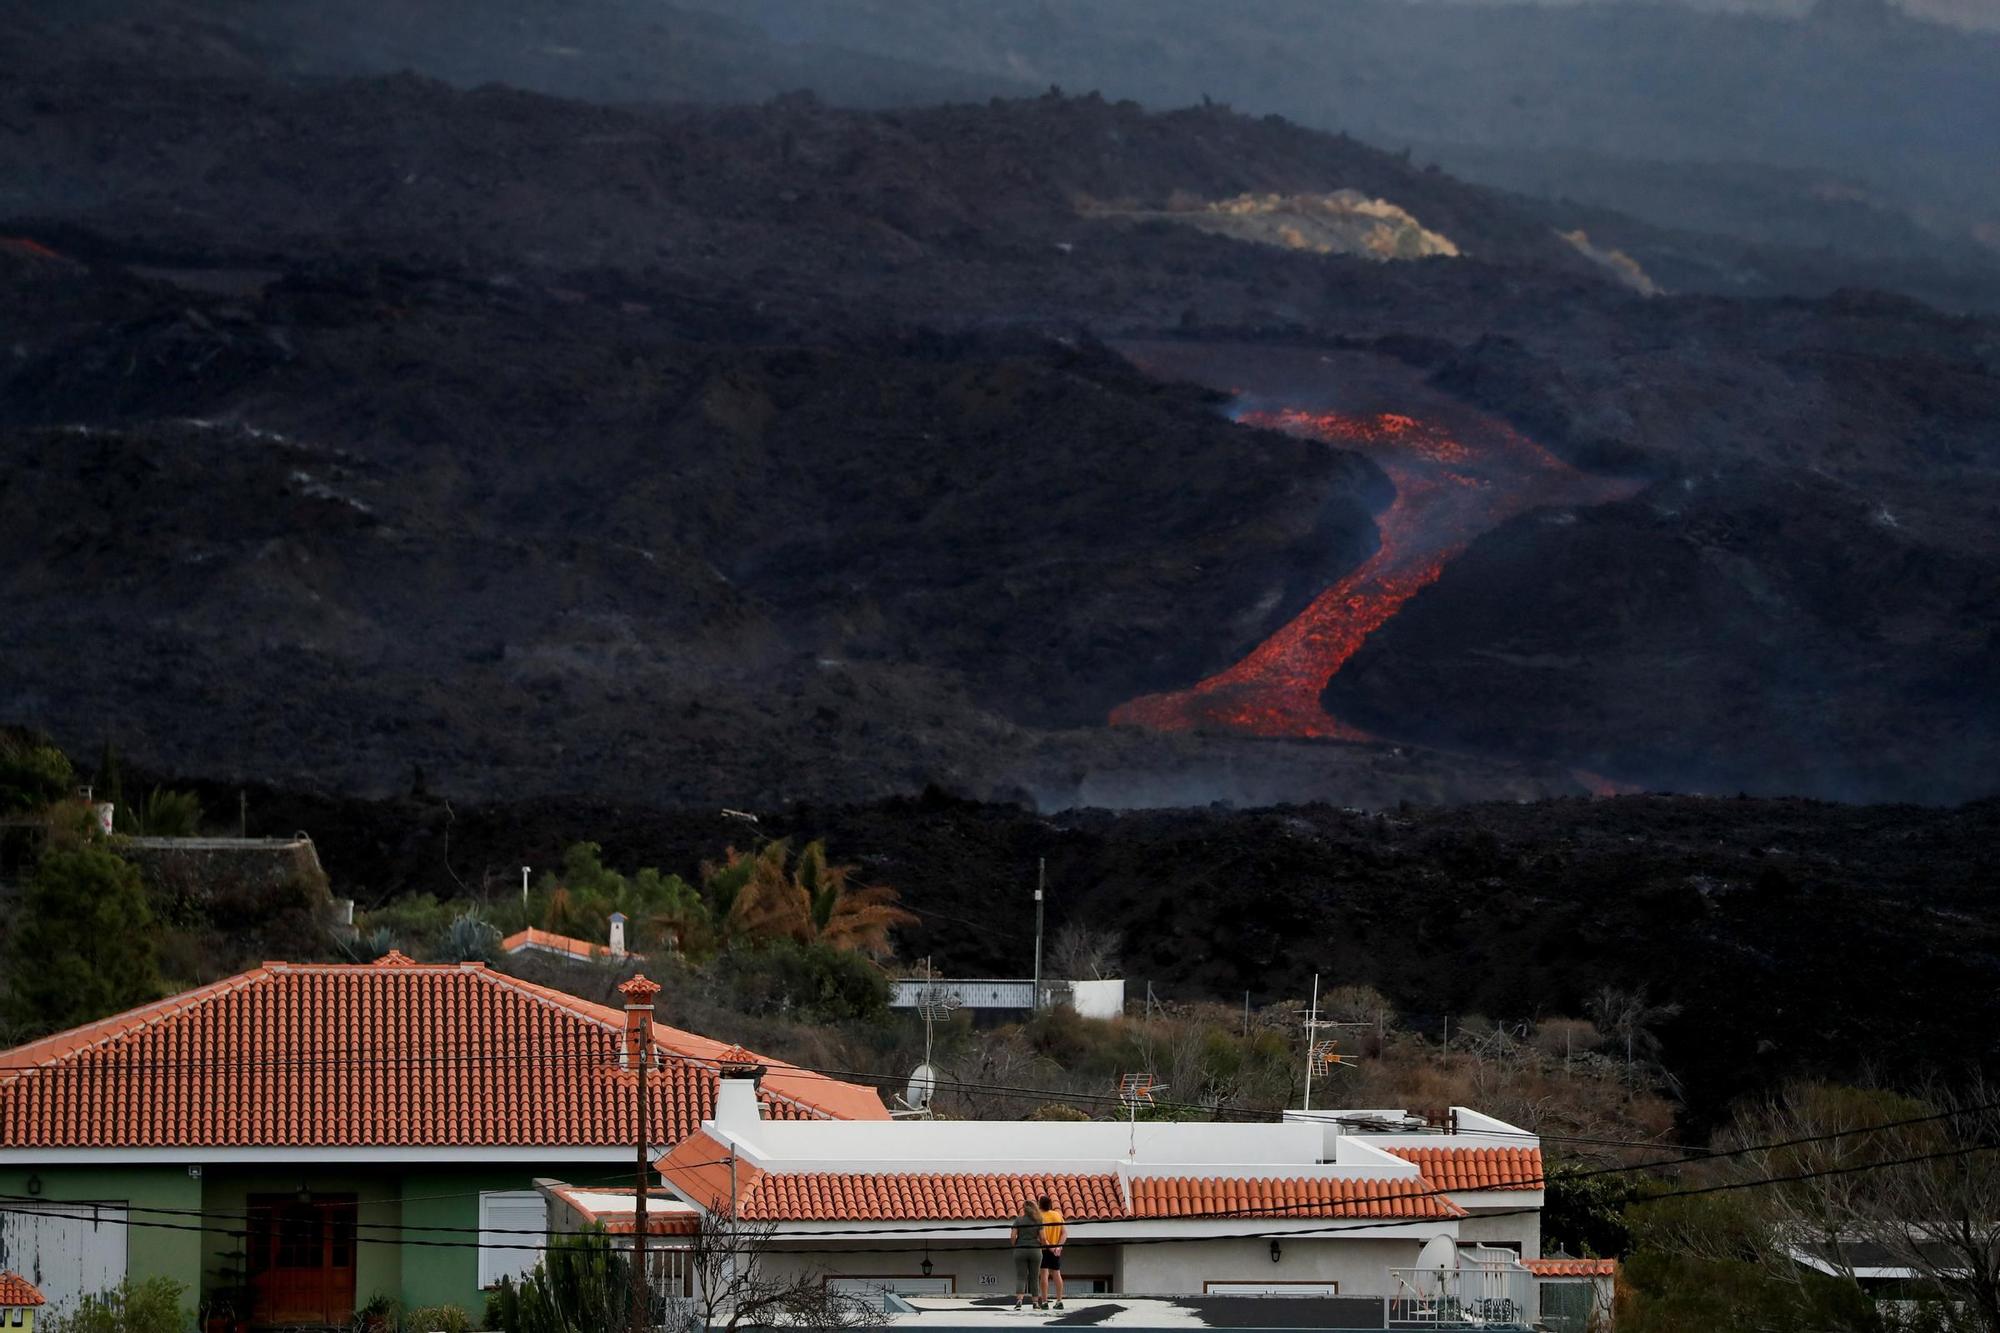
(448, 1197)
(159, 1250)
(418, 1203)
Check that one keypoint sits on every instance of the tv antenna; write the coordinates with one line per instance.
(935, 1004)
(1136, 1090)
(1322, 1053)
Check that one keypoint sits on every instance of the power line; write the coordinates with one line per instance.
(1331, 1229)
(1272, 1212)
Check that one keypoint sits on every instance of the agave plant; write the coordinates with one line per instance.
(469, 939)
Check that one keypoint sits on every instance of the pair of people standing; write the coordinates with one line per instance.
(1038, 1245)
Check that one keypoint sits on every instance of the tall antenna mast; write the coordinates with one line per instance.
(1312, 1039)
(1041, 883)
(1321, 1053)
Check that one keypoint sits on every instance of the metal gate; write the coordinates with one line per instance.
(68, 1250)
(1568, 1306)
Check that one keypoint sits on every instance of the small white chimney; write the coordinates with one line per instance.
(736, 1104)
(617, 934)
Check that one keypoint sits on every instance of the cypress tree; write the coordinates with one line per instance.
(83, 947)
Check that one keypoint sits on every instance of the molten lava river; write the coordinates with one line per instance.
(1450, 487)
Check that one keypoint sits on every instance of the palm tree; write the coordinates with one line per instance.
(685, 920)
(811, 901)
(771, 903)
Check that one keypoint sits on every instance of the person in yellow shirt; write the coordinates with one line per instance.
(1053, 1235)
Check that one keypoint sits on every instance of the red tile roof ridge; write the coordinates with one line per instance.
(569, 944)
(57, 1045)
(1223, 1196)
(1481, 1167)
(1564, 1266)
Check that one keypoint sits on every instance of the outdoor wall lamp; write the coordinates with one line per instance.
(926, 1265)
(34, 1184)
(1277, 1251)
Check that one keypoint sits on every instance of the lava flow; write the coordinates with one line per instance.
(1447, 493)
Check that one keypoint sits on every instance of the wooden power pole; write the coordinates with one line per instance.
(639, 993)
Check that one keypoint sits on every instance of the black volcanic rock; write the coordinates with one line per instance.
(762, 452)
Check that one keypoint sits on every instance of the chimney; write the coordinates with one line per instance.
(617, 934)
(638, 1035)
(736, 1106)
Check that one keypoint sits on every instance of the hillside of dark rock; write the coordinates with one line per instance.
(757, 453)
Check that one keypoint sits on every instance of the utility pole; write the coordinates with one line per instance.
(524, 888)
(639, 993)
(639, 1283)
(1041, 882)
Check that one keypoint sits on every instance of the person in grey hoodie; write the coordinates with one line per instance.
(1027, 1240)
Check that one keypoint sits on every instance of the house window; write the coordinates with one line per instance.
(513, 1227)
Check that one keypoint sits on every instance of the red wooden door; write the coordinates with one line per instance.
(301, 1259)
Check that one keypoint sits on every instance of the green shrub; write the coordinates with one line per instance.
(805, 981)
(152, 1306)
(33, 773)
(580, 1286)
(437, 1319)
(377, 1316)
(418, 917)
(83, 945)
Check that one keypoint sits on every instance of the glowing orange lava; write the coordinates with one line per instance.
(27, 246)
(1448, 491)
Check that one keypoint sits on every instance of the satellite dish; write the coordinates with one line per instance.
(1438, 1252)
(923, 1086)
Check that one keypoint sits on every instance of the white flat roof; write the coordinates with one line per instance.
(1239, 1312)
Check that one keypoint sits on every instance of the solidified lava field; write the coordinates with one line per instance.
(351, 427)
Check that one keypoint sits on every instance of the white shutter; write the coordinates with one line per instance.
(69, 1250)
(504, 1249)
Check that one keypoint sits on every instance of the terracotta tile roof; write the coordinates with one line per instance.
(1572, 1267)
(924, 1196)
(1476, 1168)
(1268, 1196)
(390, 1054)
(568, 945)
(17, 1290)
(699, 1169)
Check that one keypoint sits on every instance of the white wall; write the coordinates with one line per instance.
(1097, 999)
(965, 1265)
(1020, 1145)
(1522, 1228)
(1360, 1267)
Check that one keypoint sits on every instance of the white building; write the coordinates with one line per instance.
(1428, 1221)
